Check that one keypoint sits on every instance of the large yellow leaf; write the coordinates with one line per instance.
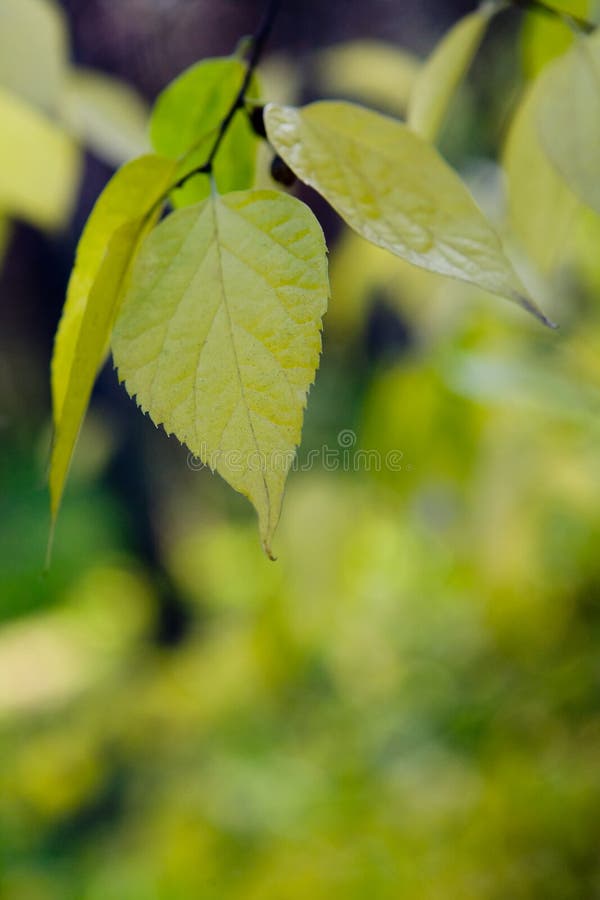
(130, 195)
(34, 56)
(395, 190)
(442, 73)
(219, 335)
(569, 118)
(39, 165)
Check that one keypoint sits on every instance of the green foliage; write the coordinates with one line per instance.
(243, 387)
(187, 117)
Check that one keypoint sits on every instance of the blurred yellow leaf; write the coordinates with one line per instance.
(443, 71)
(569, 118)
(223, 351)
(106, 115)
(39, 165)
(370, 71)
(33, 60)
(395, 190)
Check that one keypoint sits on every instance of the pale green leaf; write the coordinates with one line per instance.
(130, 195)
(444, 70)
(219, 336)
(395, 190)
(33, 60)
(569, 118)
(106, 115)
(39, 165)
(94, 332)
(541, 206)
(186, 119)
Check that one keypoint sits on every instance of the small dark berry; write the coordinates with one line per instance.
(281, 172)
(257, 120)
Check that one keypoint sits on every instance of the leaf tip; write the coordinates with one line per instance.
(531, 307)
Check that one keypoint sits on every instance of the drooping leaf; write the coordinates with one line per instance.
(124, 213)
(39, 165)
(106, 115)
(569, 118)
(443, 71)
(33, 61)
(129, 195)
(395, 190)
(186, 119)
(219, 336)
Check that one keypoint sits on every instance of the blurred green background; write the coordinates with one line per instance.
(406, 704)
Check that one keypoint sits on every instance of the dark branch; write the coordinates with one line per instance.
(258, 42)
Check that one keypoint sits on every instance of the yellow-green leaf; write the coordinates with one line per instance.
(219, 335)
(105, 114)
(107, 249)
(94, 333)
(395, 190)
(33, 61)
(129, 195)
(39, 165)
(443, 71)
(569, 118)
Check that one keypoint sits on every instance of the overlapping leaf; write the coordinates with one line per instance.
(395, 190)
(121, 217)
(442, 73)
(186, 119)
(569, 118)
(219, 338)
